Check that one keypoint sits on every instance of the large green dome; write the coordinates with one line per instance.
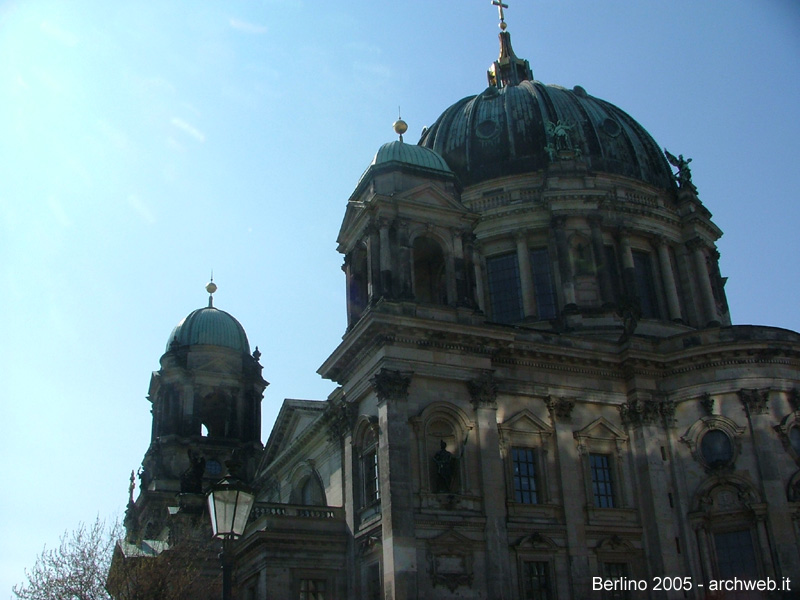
(509, 131)
(210, 326)
(518, 125)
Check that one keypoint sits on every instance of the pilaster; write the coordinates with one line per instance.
(397, 517)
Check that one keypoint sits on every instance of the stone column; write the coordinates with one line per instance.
(375, 290)
(603, 276)
(704, 282)
(348, 278)
(525, 275)
(385, 258)
(668, 280)
(470, 298)
(570, 473)
(397, 510)
(564, 264)
(652, 481)
(628, 271)
(404, 260)
(482, 293)
(774, 523)
(483, 392)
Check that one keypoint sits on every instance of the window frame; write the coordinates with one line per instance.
(497, 278)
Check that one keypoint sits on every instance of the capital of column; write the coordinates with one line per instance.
(560, 408)
(754, 400)
(391, 385)
(558, 222)
(594, 220)
(483, 390)
(697, 243)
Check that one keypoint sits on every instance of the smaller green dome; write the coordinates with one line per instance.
(210, 326)
(410, 155)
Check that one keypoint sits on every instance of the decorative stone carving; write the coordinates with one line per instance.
(483, 390)
(646, 412)
(560, 408)
(794, 399)
(754, 400)
(369, 542)
(707, 402)
(341, 419)
(450, 561)
(391, 385)
(192, 477)
(684, 174)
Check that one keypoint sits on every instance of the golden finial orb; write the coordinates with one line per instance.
(400, 127)
(211, 287)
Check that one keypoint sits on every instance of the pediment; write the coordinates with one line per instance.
(525, 422)
(294, 418)
(352, 214)
(432, 196)
(601, 429)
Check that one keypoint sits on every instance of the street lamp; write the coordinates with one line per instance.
(229, 504)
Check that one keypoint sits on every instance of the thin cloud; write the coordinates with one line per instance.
(57, 33)
(188, 129)
(141, 208)
(247, 27)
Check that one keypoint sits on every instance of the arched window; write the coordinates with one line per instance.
(213, 416)
(429, 272)
(716, 448)
(308, 492)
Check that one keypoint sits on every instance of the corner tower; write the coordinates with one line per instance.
(206, 407)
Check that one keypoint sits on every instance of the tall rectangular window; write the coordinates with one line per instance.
(645, 284)
(735, 556)
(602, 482)
(523, 460)
(313, 589)
(372, 492)
(543, 283)
(538, 585)
(613, 271)
(374, 582)
(505, 293)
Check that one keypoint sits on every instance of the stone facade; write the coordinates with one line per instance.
(539, 385)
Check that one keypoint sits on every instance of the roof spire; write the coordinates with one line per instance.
(507, 70)
(211, 287)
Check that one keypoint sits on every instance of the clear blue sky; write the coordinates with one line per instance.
(144, 144)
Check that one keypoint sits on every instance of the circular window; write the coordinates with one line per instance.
(794, 439)
(213, 467)
(487, 129)
(611, 127)
(716, 448)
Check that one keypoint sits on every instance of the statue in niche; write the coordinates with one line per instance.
(445, 468)
(192, 478)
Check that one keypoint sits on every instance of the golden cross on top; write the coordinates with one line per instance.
(500, 6)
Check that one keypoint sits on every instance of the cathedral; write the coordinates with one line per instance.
(540, 393)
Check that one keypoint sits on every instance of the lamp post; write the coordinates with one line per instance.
(229, 504)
